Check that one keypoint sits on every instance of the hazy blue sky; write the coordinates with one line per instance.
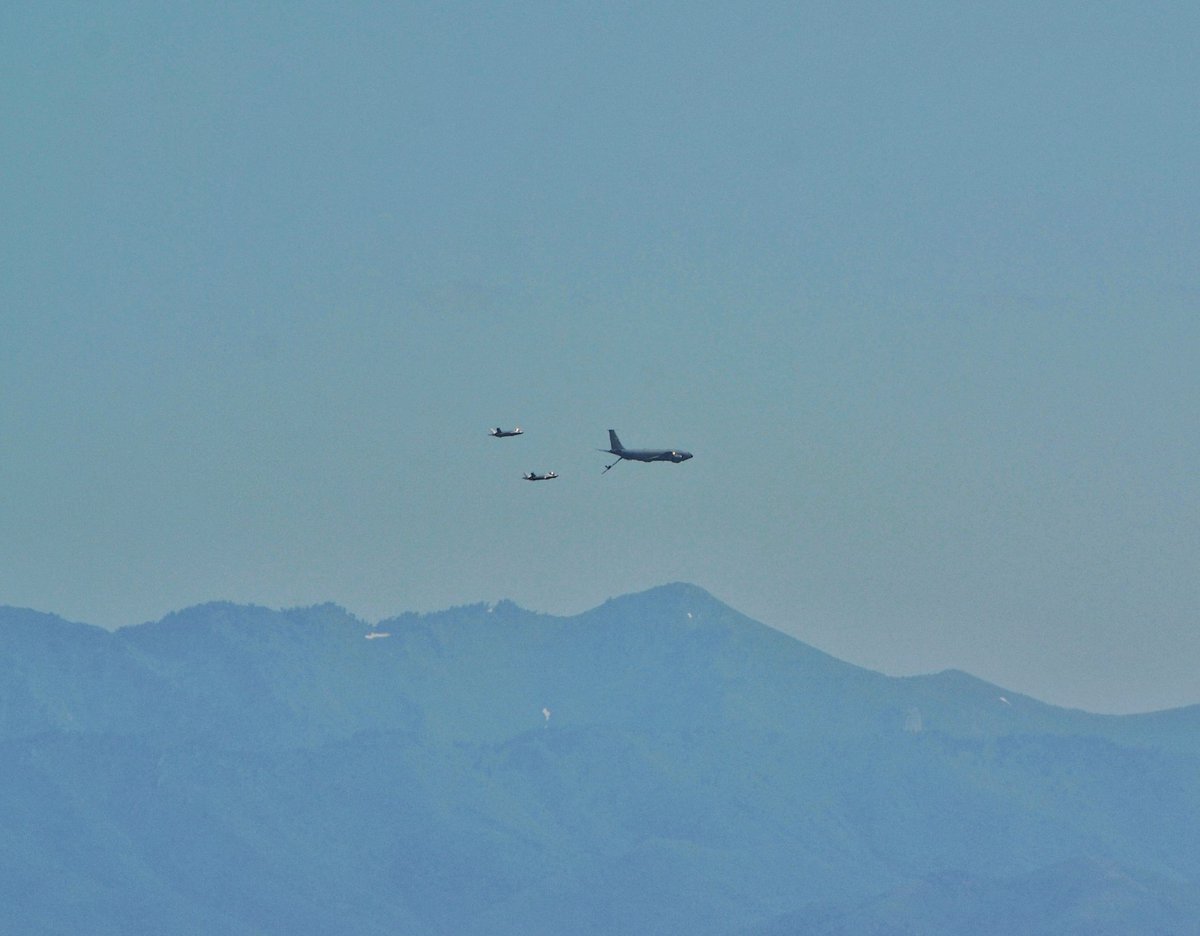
(916, 282)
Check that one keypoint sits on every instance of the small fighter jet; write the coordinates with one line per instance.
(642, 455)
(548, 476)
(505, 433)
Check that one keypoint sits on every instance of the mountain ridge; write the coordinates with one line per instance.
(715, 632)
(659, 762)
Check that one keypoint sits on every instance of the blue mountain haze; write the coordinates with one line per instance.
(660, 763)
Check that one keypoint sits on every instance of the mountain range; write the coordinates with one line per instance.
(658, 764)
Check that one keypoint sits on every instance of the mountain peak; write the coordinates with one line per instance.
(674, 597)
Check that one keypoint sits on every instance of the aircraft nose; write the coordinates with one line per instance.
(685, 455)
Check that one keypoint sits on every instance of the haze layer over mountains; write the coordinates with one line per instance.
(657, 764)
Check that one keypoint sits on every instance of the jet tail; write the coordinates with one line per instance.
(614, 443)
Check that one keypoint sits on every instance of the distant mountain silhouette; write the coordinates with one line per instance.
(660, 764)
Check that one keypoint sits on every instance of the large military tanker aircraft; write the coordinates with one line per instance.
(642, 455)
